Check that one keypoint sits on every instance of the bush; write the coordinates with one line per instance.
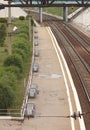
(13, 70)
(23, 35)
(22, 45)
(2, 34)
(32, 22)
(20, 40)
(24, 30)
(27, 17)
(3, 20)
(5, 50)
(6, 95)
(8, 78)
(14, 60)
(21, 18)
(20, 52)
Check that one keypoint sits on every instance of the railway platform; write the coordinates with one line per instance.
(57, 100)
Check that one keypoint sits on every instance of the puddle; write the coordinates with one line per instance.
(52, 76)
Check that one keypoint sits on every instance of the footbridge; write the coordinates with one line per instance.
(46, 3)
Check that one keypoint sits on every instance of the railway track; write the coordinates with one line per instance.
(76, 49)
(80, 43)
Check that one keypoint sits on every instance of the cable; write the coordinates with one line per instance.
(74, 115)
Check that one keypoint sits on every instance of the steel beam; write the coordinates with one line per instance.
(82, 1)
(40, 15)
(48, 3)
(38, 5)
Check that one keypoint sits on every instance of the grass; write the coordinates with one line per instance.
(54, 10)
(20, 90)
(58, 10)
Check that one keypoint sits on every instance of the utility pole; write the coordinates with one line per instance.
(9, 28)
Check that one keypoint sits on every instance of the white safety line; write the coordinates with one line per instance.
(69, 100)
(81, 121)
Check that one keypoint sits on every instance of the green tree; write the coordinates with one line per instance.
(14, 60)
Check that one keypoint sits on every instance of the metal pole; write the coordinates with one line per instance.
(9, 29)
(29, 26)
(40, 14)
(65, 14)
